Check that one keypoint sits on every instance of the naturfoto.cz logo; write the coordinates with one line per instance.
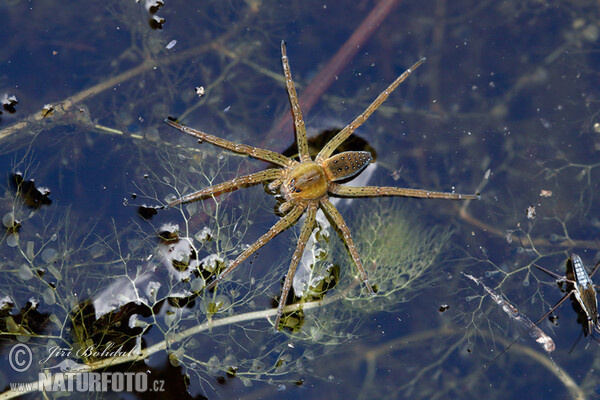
(69, 376)
(91, 382)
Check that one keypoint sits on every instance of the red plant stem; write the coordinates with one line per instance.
(327, 75)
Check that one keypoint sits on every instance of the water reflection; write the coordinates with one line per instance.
(508, 87)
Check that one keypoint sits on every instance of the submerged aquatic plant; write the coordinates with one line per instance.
(397, 267)
(527, 110)
(307, 185)
(150, 285)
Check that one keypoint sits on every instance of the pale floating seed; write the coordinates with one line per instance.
(8, 220)
(192, 344)
(197, 284)
(223, 301)
(191, 208)
(29, 250)
(173, 360)
(56, 321)
(170, 318)
(49, 255)
(97, 250)
(11, 325)
(138, 323)
(49, 296)
(257, 366)
(230, 361)
(213, 365)
(246, 381)
(25, 272)
(24, 338)
(152, 290)
(55, 272)
(132, 245)
(12, 240)
(152, 134)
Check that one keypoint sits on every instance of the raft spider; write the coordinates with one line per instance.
(306, 184)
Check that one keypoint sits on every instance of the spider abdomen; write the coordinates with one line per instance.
(345, 165)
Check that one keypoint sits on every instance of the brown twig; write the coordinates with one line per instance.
(327, 75)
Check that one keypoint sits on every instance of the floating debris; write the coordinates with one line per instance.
(200, 91)
(205, 235)
(531, 212)
(156, 22)
(154, 5)
(487, 174)
(9, 102)
(168, 233)
(32, 197)
(171, 44)
(47, 110)
(147, 212)
(544, 340)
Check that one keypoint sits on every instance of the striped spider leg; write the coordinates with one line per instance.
(306, 184)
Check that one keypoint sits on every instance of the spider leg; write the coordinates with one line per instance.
(295, 105)
(229, 186)
(288, 220)
(375, 191)
(254, 152)
(342, 135)
(341, 224)
(307, 228)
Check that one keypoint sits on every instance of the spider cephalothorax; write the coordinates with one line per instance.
(307, 184)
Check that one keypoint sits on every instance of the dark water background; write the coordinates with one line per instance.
(509, 87)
